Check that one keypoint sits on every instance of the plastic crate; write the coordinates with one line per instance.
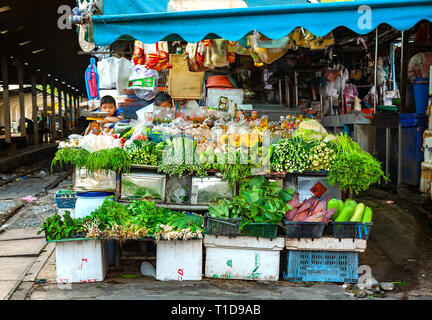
(220, 226)
(355, 230)
(65, 199)
(265, 230)
(322, 266)
(299, 229)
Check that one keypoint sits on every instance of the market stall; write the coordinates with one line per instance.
(201, 168)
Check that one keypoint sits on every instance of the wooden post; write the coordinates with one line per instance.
(34, 111)
(71, 113)
(6, 101)
(44, 103)
(66, 111)
(52, 116)
(76, 109)
(22, 122)
(59, 89)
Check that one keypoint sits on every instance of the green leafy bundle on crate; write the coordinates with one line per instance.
(353, 169)
(75, 157)
(115, 159)
(290, 155)
(56, 227)
(259, 201)
(113, 220)
(145, 152)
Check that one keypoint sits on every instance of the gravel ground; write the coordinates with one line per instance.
(34, 214)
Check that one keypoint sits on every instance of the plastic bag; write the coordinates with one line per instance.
(178, 190)
(124, 68)
(144, 82)
(94, 143)
(157, 56)
(104, 68)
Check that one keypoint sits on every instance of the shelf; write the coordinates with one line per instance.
(341, 120)
(141, 166)
(174, 206)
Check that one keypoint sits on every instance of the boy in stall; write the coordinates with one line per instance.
(108, 104)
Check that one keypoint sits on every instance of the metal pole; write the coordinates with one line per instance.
(44, 103)
(6, 101)
(34, 111)
(376, 69)
(22, 121)
(404, 74)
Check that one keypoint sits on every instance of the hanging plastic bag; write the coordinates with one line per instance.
(138, 55)
(219, 53)
(103, 67)
(144, 82)
(266, 55)
(124, 68)
(92, 80)
(157, 56)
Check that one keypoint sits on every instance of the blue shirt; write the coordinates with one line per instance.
(119, 112)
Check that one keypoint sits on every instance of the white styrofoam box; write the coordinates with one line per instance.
(427, 145)
(179, 260)
(242, 258)
(426, 178)
(81, 261)
(326, 244)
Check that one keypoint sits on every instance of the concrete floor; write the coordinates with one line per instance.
(399, 250)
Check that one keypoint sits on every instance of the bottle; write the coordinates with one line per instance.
(264, 122)
(284, 123)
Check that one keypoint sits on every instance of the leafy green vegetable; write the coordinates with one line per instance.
(114, 159)
(259, 201)
(353, 169)
(57, 228)
(75, 157)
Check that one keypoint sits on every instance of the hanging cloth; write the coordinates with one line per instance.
(92, 80)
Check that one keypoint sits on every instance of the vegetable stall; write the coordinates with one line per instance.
(211, 173)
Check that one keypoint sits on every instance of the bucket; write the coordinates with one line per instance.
(89, 201)
(421, 94)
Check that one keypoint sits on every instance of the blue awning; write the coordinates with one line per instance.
(274, 21)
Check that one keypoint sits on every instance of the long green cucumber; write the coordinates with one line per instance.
(358, 213)
(367, 215)
(338, 209)
(346, 214)
(350, 201)
(332, 204)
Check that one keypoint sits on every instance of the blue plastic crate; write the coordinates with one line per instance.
(66, 203)
(413, 126)
(65, 199)
(322, 266)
